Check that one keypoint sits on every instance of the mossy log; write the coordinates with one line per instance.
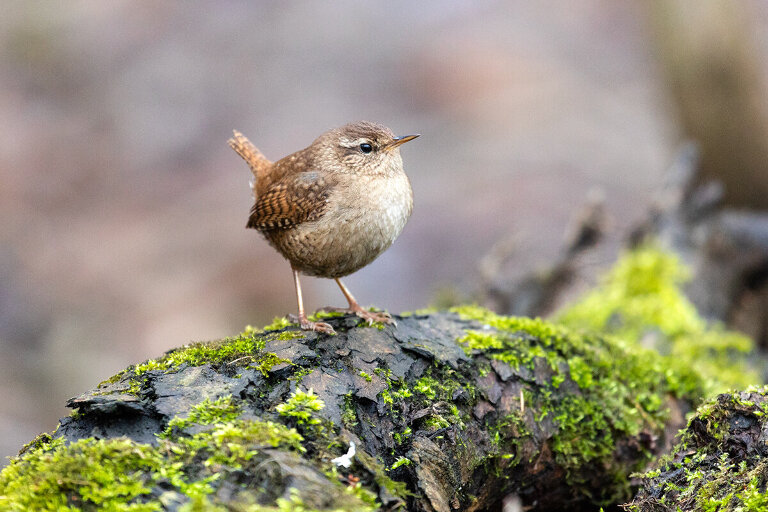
(721, 462)
(447, 411)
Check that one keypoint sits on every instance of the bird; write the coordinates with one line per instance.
(333, 207)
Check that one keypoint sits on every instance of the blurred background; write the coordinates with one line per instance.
(123, 211)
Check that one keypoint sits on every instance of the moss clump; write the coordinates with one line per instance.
(419, 312)
(194, 454)
(433, 389)
(115, 474)
(401, 437)
(396, 390)
(622, 390)
(401, 461)
(641, 299)
(248, 348)
(302, 406)
(231, 446)
(348, 414)
(719, 464)
(221, 410)
(278, 323)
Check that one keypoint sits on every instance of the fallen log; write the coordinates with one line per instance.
(446, 411)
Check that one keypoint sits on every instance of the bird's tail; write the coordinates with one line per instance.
(253, 157)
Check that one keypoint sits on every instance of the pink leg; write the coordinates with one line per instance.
(302, 318)
(355, 308)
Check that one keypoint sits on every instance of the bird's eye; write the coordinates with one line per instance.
(365, 147)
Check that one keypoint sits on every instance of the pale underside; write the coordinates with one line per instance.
(357, 235)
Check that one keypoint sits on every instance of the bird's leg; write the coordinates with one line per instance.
(354, 308)
(304, 323)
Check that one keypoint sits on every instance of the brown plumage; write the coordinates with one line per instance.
(333, 207)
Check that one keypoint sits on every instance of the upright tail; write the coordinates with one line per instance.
(253, 157)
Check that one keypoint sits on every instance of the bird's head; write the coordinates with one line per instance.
(363, 148)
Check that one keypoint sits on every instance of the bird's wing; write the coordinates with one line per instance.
(294, 199)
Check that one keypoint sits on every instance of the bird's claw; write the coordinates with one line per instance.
(369, 316)
(317, 327)
(307, 325)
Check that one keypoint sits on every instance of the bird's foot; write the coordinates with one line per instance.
(369, 316)
(307, 325)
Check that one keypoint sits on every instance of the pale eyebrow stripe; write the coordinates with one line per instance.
(347, 143)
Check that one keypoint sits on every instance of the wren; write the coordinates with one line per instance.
(333, 207)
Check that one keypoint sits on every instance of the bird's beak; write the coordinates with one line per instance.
(400, 140)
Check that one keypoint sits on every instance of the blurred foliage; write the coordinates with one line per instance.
(641, 300)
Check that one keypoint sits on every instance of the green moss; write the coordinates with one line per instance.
(419, 312)
(221, 410)
(707, 473)
(38, 443)
(442, 383)
(266, 361)
(622, 389)
(401, 437)
(348, 414)
(365, 376)
(366, 498)
(596, 344)
(401, 461)
(115, 474)
(278, 323)
(231, 445)
(302, 406)
(294, 503)
(245, 348)
(508, 432)
(322, 315)
(428, 387)
(641, 299)
(123, 475)
(381, 479)
(300, 373)
(396, 390)
(435, 422)
(113, 379)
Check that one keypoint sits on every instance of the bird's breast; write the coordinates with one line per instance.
(362, 220)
